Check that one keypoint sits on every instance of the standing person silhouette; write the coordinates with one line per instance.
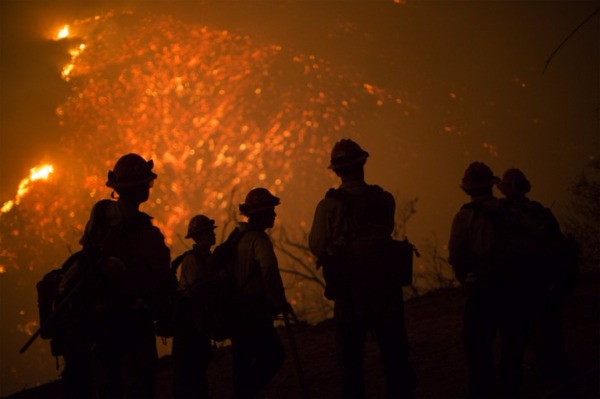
(134, 290)
(485, 253)
(348, 223)
(75, 334)
(191, 346)
(257, 349)
(549, 259)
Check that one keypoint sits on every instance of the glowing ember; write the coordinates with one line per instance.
(493, 150)
(217, 113)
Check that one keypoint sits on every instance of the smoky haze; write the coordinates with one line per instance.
(431, 86)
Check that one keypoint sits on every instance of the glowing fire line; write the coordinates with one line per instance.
(42, 172)
(63, 33)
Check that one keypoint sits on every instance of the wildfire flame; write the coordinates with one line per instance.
(42, 172)
(75, 52)
(66, 71)
(63, 33)
(217, 113)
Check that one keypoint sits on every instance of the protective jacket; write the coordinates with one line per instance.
(489, 257)
(472, 239)
(345, 236)
(191, 347)
(256, 348)
(134, 294)
(331, 226)
(257, 271)
(142, 278)
(193, 267)
(348, 226)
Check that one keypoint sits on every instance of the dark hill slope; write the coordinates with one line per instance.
(434, 323)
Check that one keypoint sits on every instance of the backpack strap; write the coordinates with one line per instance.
(347, 198)
(179, 260)
(355, 206)
(235, 236)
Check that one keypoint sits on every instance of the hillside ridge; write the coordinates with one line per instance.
(433, 322)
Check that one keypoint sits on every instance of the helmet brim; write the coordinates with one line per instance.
(476, 185)
(131, 183)
(247, 210)
(192, 233)
(342, 163)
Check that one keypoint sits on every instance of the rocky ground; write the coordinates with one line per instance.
(434, 323)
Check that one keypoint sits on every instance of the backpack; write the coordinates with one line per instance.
(63, 302)
(215, 297)
(502, 243)
(557, 253)
(48, 295)
(372, 271)
(527, 248)
(67, 296)
(165, 328)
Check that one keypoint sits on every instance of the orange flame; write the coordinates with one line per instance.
(63, 33)
(42, 172)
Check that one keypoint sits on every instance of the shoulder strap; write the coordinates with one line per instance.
(233, 239)
(179, 260)
(471, 205)
(345, 196)
(338, 193)
(222, 253)
(71, 260)
(358, 207)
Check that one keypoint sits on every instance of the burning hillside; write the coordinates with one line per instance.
(217, 113)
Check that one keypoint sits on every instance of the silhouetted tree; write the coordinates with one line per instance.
(433, 270)
(303, 282)
(583, 219)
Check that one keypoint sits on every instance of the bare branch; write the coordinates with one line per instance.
(314, 279)
(568, 37)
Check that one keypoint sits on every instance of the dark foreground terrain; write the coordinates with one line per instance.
(433, 322)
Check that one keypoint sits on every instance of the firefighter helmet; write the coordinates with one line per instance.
(514, 183)
(257, 200)
(345, 153)
(130, 170)
(478, 175)
(198, 224)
